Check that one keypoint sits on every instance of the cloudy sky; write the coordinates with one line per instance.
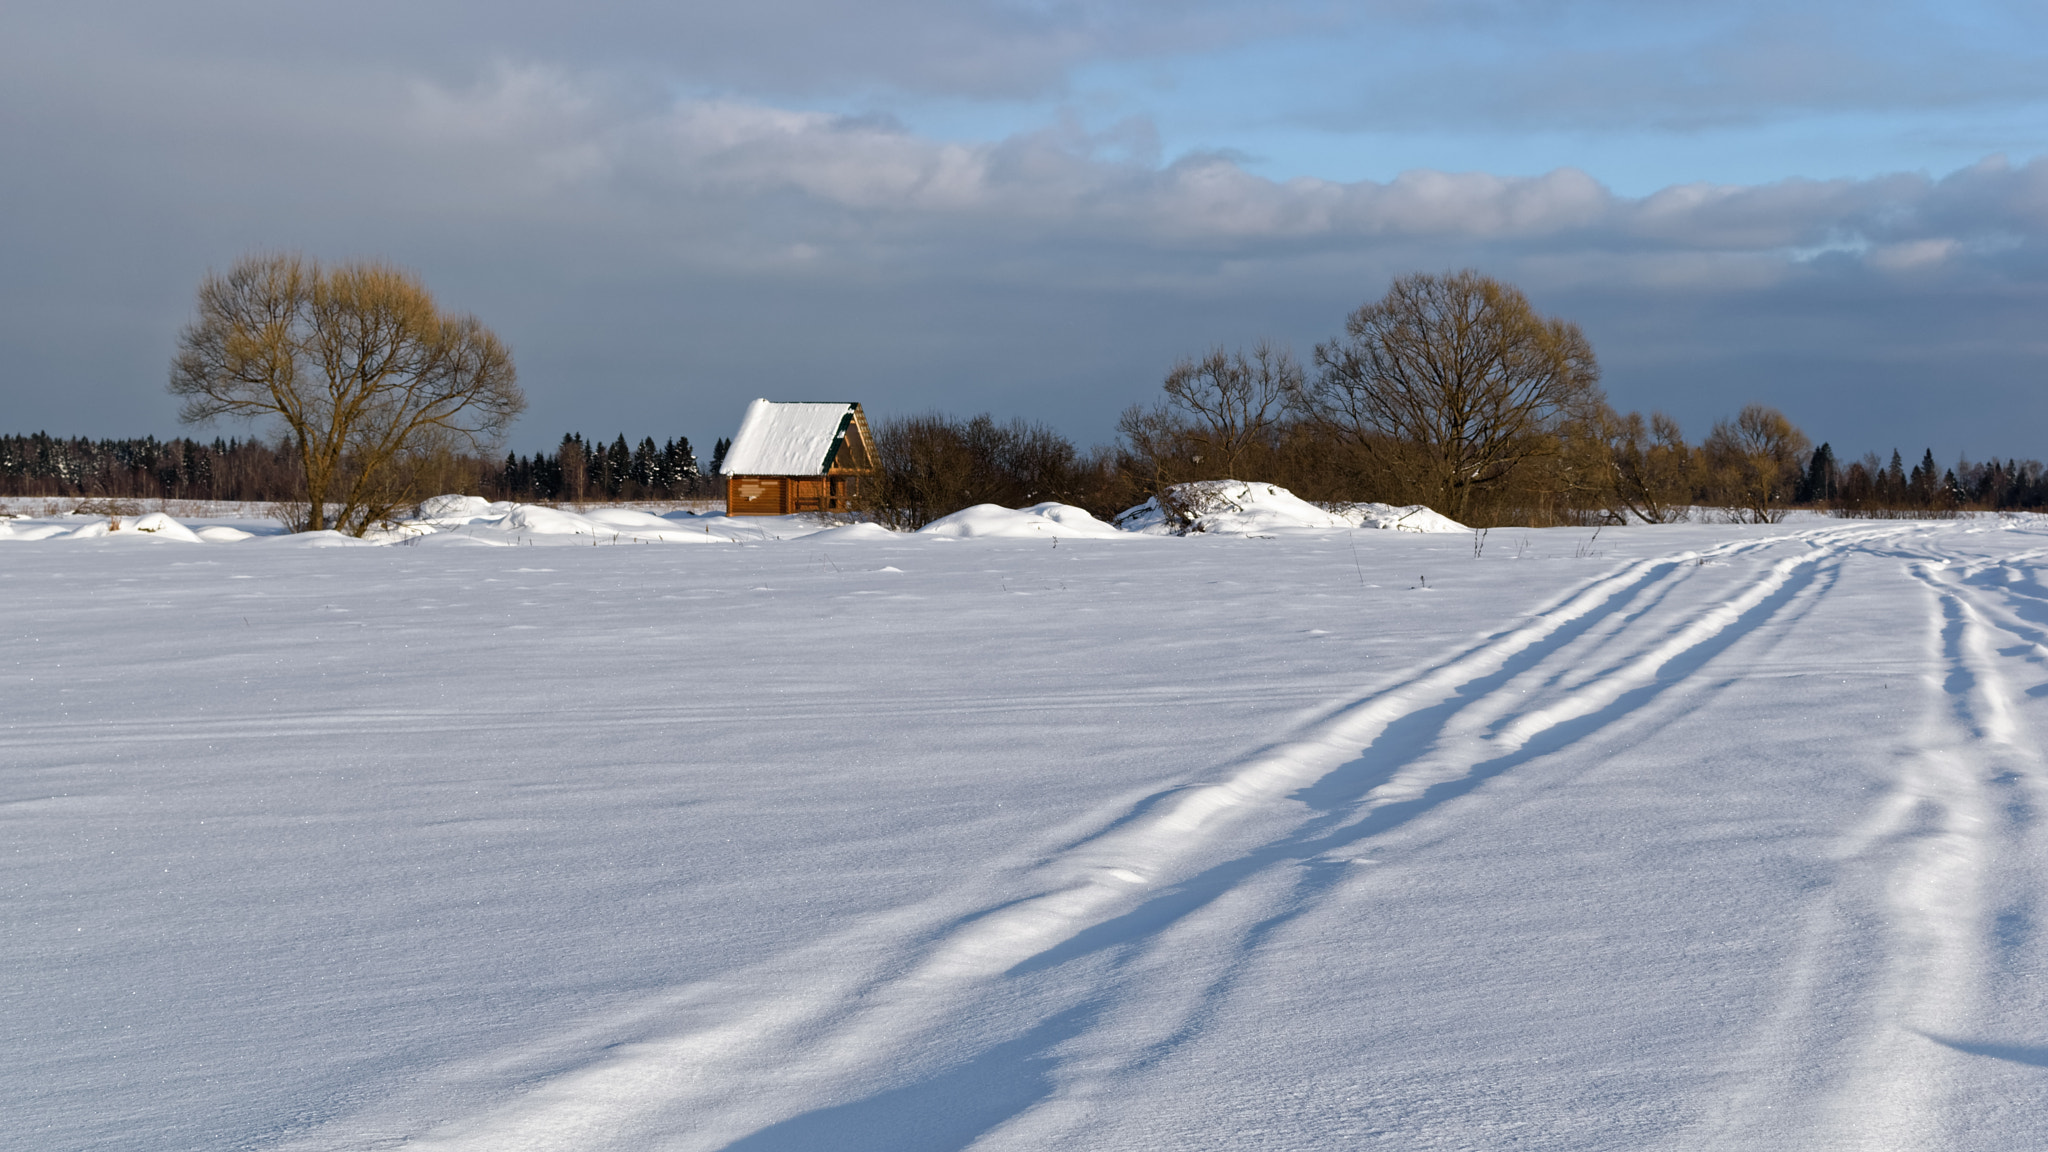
(1033, 208)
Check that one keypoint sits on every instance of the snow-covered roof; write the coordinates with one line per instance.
(778, 439)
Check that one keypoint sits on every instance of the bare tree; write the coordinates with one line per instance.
(1459, 376)
(1232, 401)
(1220, 414)
(1655, 472)
(366, 377)
(1154, 447)
(1754, 462)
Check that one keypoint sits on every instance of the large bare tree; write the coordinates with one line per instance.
(1456, 378)
(1754, 462)
(363, 374)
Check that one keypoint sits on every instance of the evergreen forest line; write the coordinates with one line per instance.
(256, 470)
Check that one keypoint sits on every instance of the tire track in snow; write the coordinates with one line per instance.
(1943, 841)
(790, 1038)
(1648, 685)
(1911, 888)
(797, 1038)
(1315, 862)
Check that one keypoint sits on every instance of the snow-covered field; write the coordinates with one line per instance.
(1690, 837)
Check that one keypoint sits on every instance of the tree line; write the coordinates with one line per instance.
(148, 468)
(580, 470)
(1450, 391)
(935, 464)
(268, 471)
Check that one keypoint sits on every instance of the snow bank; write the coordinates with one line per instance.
(1227, 507)
(326, 538)
(1039, 520)
(542, 521)
(1400, 518)
(538, 520)
(158, 524)
(31, 531)
(629, 519)
(453, 506)
(473, 517)
(1243, 508)
(1231, 507)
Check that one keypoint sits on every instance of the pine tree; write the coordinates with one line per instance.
(1921, 487)
(618, 465)
(1893, 485)
(645, 467)
(682, 460)
(1822, 479)
(575, 465)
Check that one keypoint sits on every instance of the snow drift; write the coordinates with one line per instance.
(1400, 518)
(158, 524)
(525, 520)
(1241, 508)
(1218, 507)
(455, 507)
(1039, 520)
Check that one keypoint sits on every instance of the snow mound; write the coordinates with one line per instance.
(325, 538)
(1227, 507)
(1400, 518)
(630, 519)
(1245, 508)
(539, 520)
(31, 531)
(453, 506)
(158, 524)
(221, 534)
(544, 521)
(1039, 520)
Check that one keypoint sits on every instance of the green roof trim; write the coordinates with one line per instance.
(845, 422)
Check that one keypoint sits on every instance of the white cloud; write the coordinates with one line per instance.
(791, 169)
(1911, 254)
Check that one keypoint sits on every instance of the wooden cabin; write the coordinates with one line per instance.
(799, 457)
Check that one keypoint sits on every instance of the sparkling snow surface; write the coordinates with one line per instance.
(1692, 837)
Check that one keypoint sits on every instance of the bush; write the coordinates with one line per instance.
(934, 465)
